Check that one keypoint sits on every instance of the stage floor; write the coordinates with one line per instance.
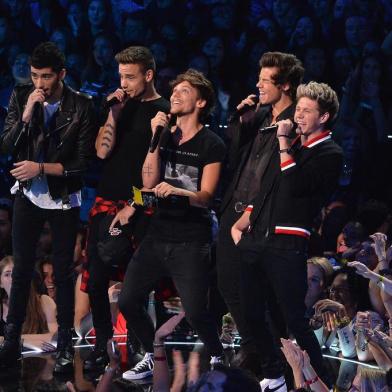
(36, 373)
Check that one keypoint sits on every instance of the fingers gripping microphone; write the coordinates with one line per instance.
(156, 137)
(112, 102)
(238, 113)
(274, 128)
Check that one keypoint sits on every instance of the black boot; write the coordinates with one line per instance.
(98, 358)
(65, 351)
(11, 349)
(134, 349)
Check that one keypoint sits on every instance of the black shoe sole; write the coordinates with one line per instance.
(64, 368)
(94, 367)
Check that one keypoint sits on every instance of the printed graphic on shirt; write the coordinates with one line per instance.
(182, 176)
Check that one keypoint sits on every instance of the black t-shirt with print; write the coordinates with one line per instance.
(123, 168)
(182, 166)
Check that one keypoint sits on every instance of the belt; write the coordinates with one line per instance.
(240, 206)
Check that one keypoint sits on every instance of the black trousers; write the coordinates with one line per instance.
(228, 262)
(279, 266)
(98, 280)
(28, 220)
(101, 273)
(188, 264)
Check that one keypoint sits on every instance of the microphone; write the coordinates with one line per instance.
(158, 132)
(238, 113)
(155, 138)
(111, 102)
(274, 128)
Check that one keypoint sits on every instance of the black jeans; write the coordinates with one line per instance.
(188, 264)
(98, 280)
(283, 270)
(228, 261)
(28, 220)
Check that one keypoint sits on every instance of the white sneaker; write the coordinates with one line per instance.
(273, 385)
(142, 369)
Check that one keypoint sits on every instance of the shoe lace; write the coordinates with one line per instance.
(146, 361)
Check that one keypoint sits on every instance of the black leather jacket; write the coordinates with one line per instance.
(69, 142)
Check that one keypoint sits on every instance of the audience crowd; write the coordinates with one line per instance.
(345, 43)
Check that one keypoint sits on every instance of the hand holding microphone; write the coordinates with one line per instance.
(116, 101)
(247, 104)
(285, 128)
(36, 98)
(158, 124)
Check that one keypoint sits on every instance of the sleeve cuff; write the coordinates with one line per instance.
(287, 164)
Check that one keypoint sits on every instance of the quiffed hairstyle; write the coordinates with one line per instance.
(324, 95)
(206, 91)
(290, 69)
(48, 55)
(137, 55)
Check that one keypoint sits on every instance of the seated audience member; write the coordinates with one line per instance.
(40, 324)
(45, 270)
(350, 238)
(320, 273)
(348, 294)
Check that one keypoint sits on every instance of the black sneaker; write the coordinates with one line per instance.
(11, 349)
(98, 358)
(65, 351)
(142, 370)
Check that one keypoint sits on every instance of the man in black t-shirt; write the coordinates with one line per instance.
(122, 142)
(186, 166)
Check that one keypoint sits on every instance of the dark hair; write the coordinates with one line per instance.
(137, 55)
(206, 91)
(290, 69)
(6, 205)
(236, 380)
(48, 54)
(358, 288)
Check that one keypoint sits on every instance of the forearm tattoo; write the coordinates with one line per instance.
(108, 136)
(147, 170)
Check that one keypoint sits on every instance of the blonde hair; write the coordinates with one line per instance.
(325, 266)
(324, 95)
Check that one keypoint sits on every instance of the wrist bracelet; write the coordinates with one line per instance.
(41, 169)
(156, 345)
(283, 150)
(132, 203)
(286, 136)
(313, 381)
(110, 369)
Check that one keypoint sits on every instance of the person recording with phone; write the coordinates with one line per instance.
(122, 144)
(272, 235)
(50, 132)
(250, 155)
(185, 166)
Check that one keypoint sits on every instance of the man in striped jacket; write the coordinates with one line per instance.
(273, 233)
